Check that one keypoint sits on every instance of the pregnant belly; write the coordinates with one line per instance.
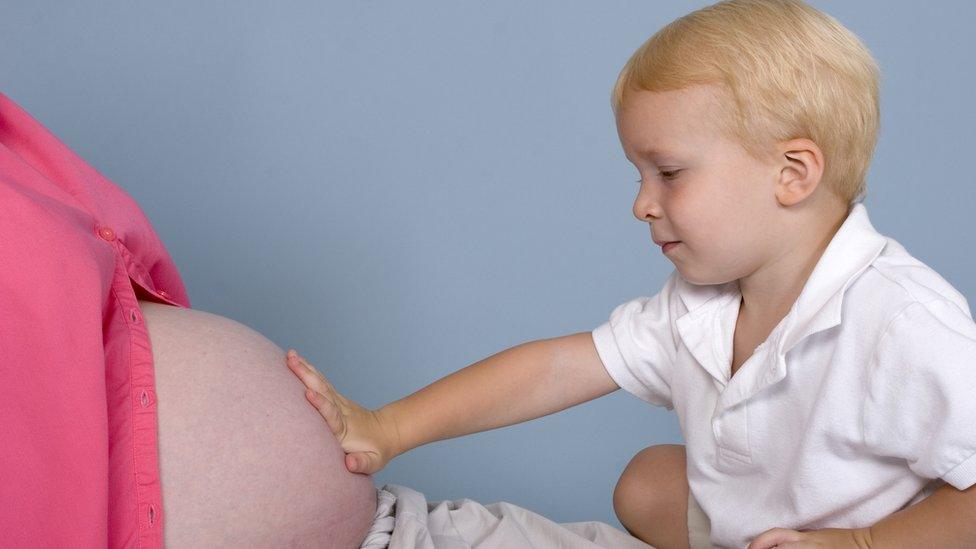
(245, 460)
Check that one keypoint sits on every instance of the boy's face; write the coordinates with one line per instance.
(697, 186)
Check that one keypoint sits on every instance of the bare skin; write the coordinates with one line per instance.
(651, 497)
(244, 460)
(748, 335)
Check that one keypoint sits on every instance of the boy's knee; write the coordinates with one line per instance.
(652, 492)
(648, 471)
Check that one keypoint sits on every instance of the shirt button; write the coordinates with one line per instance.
(163, 293)
(133, 315)
(144, 399)
(107, 234)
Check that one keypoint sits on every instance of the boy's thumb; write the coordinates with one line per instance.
(358, 463)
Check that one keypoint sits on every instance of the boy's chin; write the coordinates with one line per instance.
(698, 278)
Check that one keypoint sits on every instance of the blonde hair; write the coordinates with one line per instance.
(791, 71)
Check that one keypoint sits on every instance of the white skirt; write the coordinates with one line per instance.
(404, 519)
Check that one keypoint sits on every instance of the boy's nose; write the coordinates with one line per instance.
(647, 207)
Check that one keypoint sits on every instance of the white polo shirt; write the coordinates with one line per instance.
(860, 400)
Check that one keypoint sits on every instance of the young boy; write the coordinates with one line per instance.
(822, 376)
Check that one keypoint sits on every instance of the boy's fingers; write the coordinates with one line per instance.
(300, 360)
(327, 409)
(309, 376)
(358, 462)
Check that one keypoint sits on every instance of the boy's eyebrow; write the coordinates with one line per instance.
(651, 152)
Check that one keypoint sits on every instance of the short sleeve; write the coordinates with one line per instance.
(637, 346)
(920, 403)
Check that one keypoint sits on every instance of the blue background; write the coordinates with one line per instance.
(399, 190)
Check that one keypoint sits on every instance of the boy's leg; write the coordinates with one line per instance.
(651, 497)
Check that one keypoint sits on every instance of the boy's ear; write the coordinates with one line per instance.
(800, 162)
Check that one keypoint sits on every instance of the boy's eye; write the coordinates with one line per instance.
(669, 175)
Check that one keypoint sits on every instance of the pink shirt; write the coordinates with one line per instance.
(78, 444)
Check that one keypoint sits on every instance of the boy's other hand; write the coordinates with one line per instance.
(840, 538)
(365, 436)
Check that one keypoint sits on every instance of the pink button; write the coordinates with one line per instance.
(106, 233)
(163, 293)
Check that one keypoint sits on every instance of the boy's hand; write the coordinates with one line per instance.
(784, 538)
(369, 442)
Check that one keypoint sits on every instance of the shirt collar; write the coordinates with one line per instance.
(852, 249)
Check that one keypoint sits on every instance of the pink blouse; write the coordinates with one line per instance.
(78, 444)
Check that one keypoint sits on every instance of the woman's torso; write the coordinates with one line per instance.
(245, 460)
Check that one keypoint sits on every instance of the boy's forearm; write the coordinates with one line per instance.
(946, 518)
(524, 382)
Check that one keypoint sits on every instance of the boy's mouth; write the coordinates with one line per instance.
(668, 246)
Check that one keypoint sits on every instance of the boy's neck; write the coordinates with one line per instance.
(769, 293)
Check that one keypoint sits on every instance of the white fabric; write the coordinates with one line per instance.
(404, 519)
(857, 404)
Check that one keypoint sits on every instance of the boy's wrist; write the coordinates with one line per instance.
(391, 429)
(862, 537)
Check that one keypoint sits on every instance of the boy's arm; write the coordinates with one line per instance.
(524, 382)
(946, 518)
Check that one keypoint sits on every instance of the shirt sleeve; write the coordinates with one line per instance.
(920, 405)
(637, 346)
